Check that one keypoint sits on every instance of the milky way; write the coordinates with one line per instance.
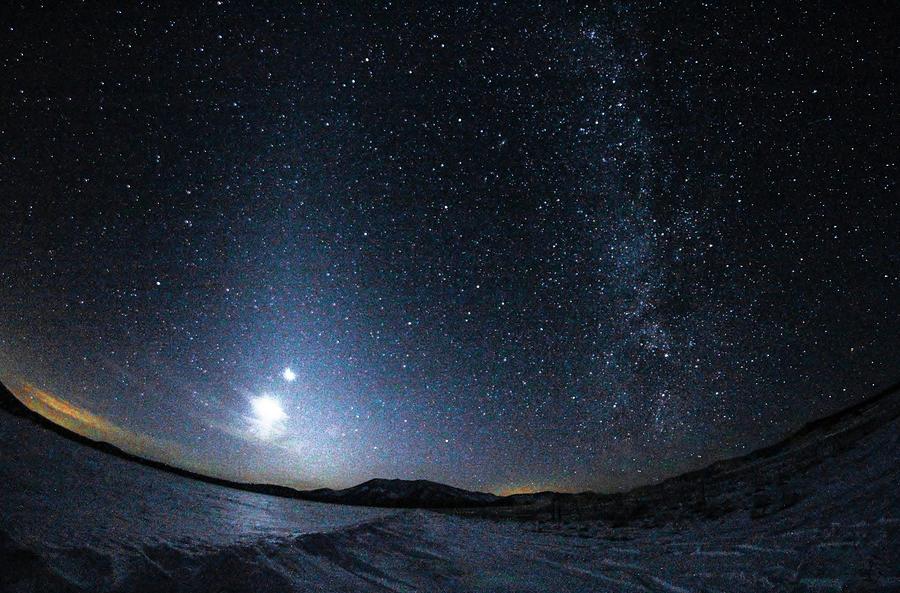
(501, 247)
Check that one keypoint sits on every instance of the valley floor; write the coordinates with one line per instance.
(425, 551)
(820, 514)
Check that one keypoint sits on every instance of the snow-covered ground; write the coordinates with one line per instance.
(76, 519)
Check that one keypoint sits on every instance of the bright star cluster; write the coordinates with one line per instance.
(499, 246)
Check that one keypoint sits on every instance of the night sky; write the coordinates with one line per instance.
(502, 247)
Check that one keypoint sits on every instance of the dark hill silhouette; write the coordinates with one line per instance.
(765, 481)
(10, 403)
(404, 493)
(377, 492)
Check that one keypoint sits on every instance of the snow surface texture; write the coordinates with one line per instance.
(821, 514)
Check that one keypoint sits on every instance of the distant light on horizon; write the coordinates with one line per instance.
(491, 268)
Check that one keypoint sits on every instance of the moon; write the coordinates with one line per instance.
(267, 410)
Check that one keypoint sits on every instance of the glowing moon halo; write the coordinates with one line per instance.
(267, 410)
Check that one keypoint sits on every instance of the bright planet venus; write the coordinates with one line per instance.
(500, 246)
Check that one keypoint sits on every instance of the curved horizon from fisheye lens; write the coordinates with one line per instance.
(502, 248)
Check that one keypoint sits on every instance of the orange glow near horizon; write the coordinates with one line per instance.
(526, 489)
(95, 427)
(67, 415)
(90, 425)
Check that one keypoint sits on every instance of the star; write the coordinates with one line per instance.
(524, 250)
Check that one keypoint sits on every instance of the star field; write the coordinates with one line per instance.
(497, 246)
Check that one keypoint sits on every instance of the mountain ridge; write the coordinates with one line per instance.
(374, 492)
(766, 481)
(849, 423)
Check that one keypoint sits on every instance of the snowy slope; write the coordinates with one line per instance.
(819, 512)
(821, 464)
